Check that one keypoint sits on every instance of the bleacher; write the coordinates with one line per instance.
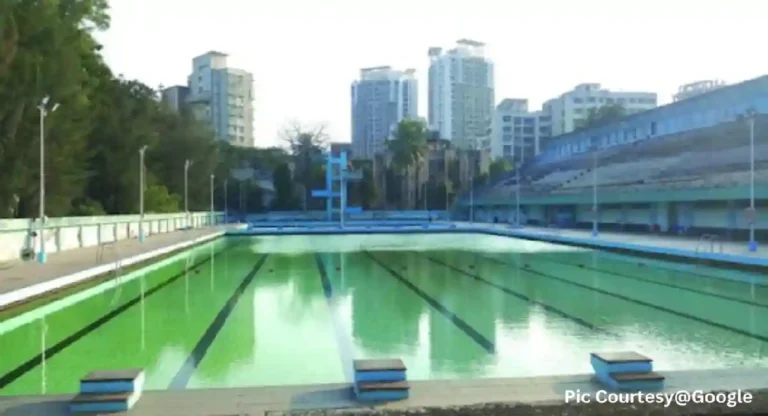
(709, 158)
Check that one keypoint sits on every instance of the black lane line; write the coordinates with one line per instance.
(522, 297)
(695, 273)
(636, 301)
(640, 279)
(343, 340)
(51, 351)
(690, 272)
(460, 323)
(182, 377)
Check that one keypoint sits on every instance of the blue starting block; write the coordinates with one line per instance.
(626, 371)
(380, 380)
(108, 391)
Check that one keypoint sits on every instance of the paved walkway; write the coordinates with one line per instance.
(20, 274)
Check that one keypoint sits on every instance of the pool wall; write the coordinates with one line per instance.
(385, 227)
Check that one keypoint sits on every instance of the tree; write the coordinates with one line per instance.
(284, 189)
(306, 146)
(92, 141)
(498, 168)
(604, 115)
(408, 149)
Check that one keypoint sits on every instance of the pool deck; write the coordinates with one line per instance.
(684, 246)
(24, 280)
(257, 401)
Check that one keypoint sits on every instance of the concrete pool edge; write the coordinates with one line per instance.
(444, 228)
(543, 395)
(14, 298)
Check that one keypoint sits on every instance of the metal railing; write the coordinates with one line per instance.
(713, 241)
(113, 245)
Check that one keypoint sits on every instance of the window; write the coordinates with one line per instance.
(507, 150)
(507, 138)
(577, 100)
(507, 119)
(506, 129)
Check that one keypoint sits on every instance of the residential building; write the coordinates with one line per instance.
(569, 111)
(381, 98)
(175, 97)
(517, 133)
(461, 93)
(697, 88)
(724, 105)
(222, 97)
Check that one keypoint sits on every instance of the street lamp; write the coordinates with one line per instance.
(44, 111)
(210, 221)
(594, 191)
(517, 197)
(187, 164)
(752, 211)
(226, 211)
(141, 193)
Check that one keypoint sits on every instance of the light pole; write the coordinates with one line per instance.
(517, 197)
(43, 107)
(187, 164)
(210, 221)
(752, 216)
(594, 191)
(141, 193)
(226, 212)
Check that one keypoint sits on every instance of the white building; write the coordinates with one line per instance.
(697, 88)
(381, 98)
(517, 133)
(223, 98)
(570, 110)
(461, 93)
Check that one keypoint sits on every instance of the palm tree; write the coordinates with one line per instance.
(408, 147)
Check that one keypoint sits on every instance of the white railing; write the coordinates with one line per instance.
(67, 233)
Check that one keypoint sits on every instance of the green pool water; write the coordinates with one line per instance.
(255, 311)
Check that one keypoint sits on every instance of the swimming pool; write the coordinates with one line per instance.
(284, 310)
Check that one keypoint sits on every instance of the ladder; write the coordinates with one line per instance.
(712, 241)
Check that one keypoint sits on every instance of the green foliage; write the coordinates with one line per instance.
(408, 149)
(603, 115)
(499, 167)
(92, 140)
(284, 190)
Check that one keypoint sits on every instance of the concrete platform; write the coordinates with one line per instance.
(22, 281)
(257, 401)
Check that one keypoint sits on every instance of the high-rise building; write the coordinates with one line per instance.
(569, 111)
(517, 133)
(461, 93)
(176, 97)
(697, 88)
(381, 98)
(222, 97)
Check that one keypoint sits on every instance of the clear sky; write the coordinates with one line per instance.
(305, 53)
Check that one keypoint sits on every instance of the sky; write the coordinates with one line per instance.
(304, 54)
